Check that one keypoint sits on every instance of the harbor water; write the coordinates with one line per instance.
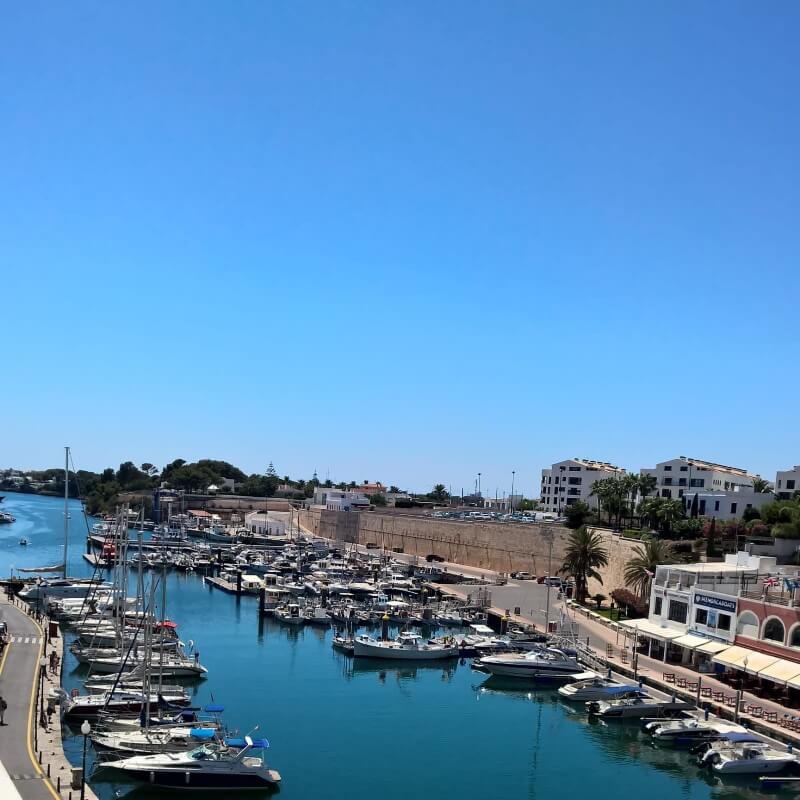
(367, 730)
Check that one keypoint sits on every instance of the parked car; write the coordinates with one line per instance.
(522, 576)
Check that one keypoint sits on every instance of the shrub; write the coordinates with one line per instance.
(633, 604)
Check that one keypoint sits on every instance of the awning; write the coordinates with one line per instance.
(794, 682)
(712, 647)
(647, 628)
(782, 671)
(691, 641)
(732, 657)
(755, 662)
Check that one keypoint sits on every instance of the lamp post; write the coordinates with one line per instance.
(479, 486)
(86, 729)
(42, 668)
(513, 475)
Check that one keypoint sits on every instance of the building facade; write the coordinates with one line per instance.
(726, 505)
(678, 476)
(787, 482)
(567, 482)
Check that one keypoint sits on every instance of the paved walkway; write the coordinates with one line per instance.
(29, 751)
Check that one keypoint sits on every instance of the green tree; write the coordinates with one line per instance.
(377, 499)
(760, 485)
(598, 598)
(584, 553)
(439, 493)
(641, 567)
(670, 512)
(577, 514)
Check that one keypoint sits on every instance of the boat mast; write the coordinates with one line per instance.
(66, 507)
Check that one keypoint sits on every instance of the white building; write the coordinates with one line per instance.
(266, 523)
(726, 505)
(567, 482)
(787, 482)
(338, 500)
(678, 475)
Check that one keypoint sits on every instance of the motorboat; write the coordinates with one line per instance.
(60, 588)
(407, 646)
(290, 615)
(540, 664)
(161, 739)
(690, 731)
(228, 766)
(344, 644)
(636, 705)
(745, 754)
(5, 517)
(185, 718)
(596, 688)
(316, 615)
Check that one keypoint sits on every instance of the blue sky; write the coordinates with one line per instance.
(400, 241)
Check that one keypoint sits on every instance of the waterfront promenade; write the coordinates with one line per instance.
(30, 751)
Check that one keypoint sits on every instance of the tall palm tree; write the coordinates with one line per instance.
(760, 485)
(647, 484)
(585, 552)
(642, 565)
(669, 512)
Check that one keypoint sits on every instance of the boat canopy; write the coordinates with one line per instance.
(243, 742)
(615, 690)
(202, 733)
(742, 737)
(214, 709)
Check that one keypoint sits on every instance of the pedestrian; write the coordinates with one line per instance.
(3, 707)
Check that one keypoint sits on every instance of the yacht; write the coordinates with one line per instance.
(6, 517)
(229, 766)
(636, 705)
(690, 731)
(60, 588)
(540, 664)
(290, 614)
(596, 688)
(745, 754)
(161, 739)
(407, 646)
(171, 666)
(80, 707)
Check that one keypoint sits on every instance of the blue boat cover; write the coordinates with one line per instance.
(213, 709)
(240, 742)
(622, 689)
(202, 733)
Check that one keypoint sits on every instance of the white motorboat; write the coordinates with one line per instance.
(227, 767)
(635, 706)
(541, 664)
(290, 615)
(407, 646)
(745, 754)
(316, 615)
(60, 588)
(690, 731)
(596, 688)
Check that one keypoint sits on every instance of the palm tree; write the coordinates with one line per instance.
(642, 565)
(669, 512)
(760, 485)
(647, 484)
(584, 553)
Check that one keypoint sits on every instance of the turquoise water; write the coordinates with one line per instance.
(377, 732)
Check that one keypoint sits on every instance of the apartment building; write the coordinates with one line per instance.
(678, 475)
(787, 482)
(567, 482)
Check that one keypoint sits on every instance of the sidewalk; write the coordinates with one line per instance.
(35, 762)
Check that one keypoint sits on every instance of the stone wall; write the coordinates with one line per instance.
(502, 547)
(619, 553)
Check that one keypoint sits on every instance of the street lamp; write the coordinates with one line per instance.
(42, 669)
(513, 475)
(86, 729)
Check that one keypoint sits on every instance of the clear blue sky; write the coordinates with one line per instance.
(405, 241)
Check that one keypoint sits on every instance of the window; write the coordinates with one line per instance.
(702, 509)
(747, 624)
(773, 630)
(574, 469)
(701, 616)
(668, 469)
(716, 505)
(666, 493)
(657, 607)
(790, 484)
(684, 469)
(794, 637)
(678, 611)
(556, 478)
(701, 482)
(575, 481)
(733, 508)
(723, 622)
(667, 481)
(681, 481)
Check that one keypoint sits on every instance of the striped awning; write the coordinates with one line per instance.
(782, 671)
(691, 641)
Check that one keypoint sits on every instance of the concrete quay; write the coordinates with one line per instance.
(31, 752)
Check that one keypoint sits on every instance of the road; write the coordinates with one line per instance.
(18, 669)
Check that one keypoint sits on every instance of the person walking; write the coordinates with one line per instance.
(3, 707)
